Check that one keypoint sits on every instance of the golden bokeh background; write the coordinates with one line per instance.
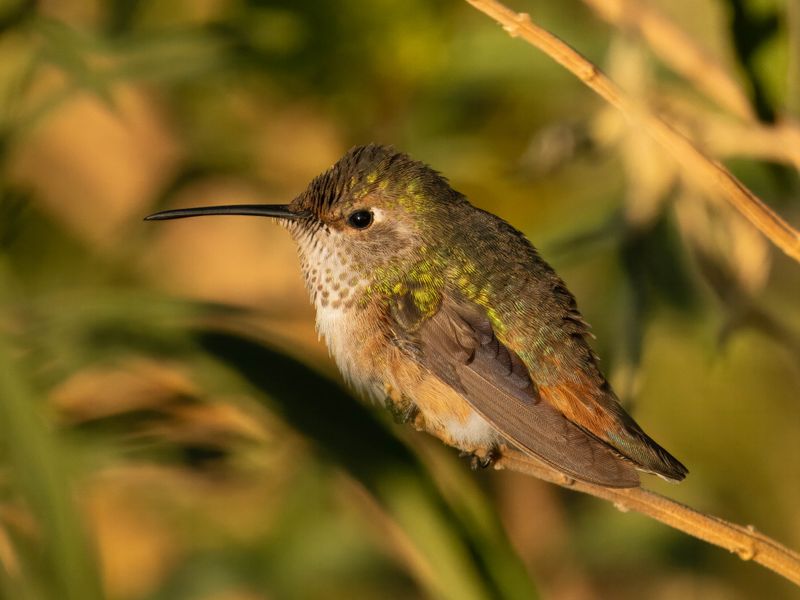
(170, 426)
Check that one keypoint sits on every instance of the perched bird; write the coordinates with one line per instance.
(447, 315)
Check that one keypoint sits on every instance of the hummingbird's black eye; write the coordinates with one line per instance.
(360, 219)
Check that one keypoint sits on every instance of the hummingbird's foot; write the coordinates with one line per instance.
(418, 420)
(406, 413)
(481, 459)
(403, 410)
(410, 415)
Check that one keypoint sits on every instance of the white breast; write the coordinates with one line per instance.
(336, 331)
(335, 288)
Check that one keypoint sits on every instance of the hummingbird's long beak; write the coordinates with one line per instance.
(278, 211)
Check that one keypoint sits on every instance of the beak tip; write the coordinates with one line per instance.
(158, 216)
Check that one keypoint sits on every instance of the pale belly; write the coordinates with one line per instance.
(382, 372)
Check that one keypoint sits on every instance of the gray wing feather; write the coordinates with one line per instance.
(458, 345)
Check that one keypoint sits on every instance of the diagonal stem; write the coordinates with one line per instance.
(746, 542)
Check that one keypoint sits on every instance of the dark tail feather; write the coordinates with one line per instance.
(642, 450)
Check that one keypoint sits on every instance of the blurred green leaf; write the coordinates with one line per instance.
(255, 97)
(64, 565)
(466, 565)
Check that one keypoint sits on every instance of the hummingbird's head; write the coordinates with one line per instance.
(375, 211)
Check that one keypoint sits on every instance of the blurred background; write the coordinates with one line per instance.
(170, 426)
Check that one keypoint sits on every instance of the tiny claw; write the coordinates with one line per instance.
(418, 422)
(405, 415)
(482, 460)
(491, 457)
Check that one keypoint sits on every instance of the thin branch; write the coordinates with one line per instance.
(678, 51)
(746, 542)
(707, 173)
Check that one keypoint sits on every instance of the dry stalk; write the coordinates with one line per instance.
(777, 143)
(708, 174)
(678, 51)
(746, 542)
(725, 136)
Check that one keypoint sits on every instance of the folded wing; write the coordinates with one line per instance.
(458, 345)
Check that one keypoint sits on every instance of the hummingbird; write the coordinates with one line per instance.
(446, 315)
